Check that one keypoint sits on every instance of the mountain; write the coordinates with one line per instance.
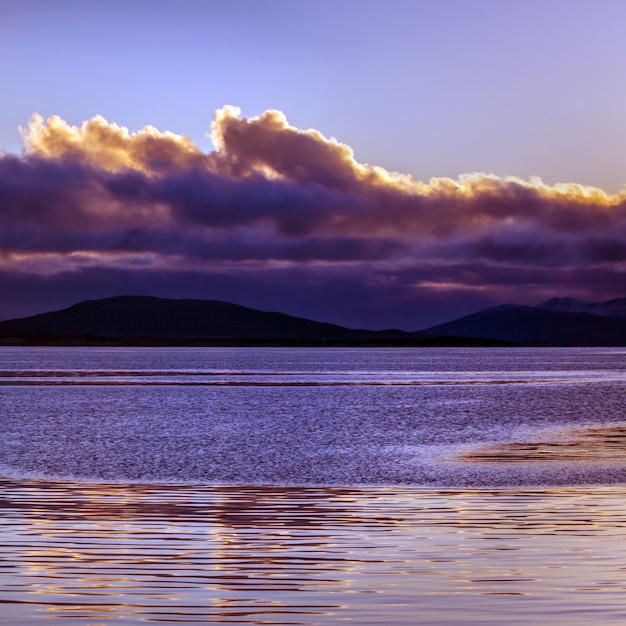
(138, 317)
(139, 320)
(142, 320)
(536, 326)
(610, 308)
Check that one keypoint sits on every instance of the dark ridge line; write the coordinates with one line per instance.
(49, 339)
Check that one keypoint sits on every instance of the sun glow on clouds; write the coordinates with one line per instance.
(107, 146)
(273, 197)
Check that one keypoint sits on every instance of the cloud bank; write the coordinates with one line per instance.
(296, 213)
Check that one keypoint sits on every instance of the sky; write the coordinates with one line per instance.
(371, 164)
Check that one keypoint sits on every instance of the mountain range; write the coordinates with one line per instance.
(143, 320)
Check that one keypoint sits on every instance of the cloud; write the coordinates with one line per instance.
(273, 197)
(108, 146)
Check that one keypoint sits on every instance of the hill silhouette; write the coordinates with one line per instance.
(143, 320)
(536, 326)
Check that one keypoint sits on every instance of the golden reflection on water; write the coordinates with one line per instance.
(592, 443)
(97, 554)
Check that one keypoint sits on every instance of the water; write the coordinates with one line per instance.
(312, 486)
(314, 416)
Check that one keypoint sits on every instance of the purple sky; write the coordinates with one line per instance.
(504, 120)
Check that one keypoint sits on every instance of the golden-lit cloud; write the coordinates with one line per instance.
(335, 193)
(107, 146)
(272, 197)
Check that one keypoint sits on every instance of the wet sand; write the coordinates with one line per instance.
(97, 553)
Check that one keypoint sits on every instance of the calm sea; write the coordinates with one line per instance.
(312, 486)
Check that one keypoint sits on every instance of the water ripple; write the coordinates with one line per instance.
(98, 553)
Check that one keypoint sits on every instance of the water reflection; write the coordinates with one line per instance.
(606, 442)
(100, 553)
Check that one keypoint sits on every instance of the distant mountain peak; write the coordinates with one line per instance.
(560, 303)
(610, 308)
